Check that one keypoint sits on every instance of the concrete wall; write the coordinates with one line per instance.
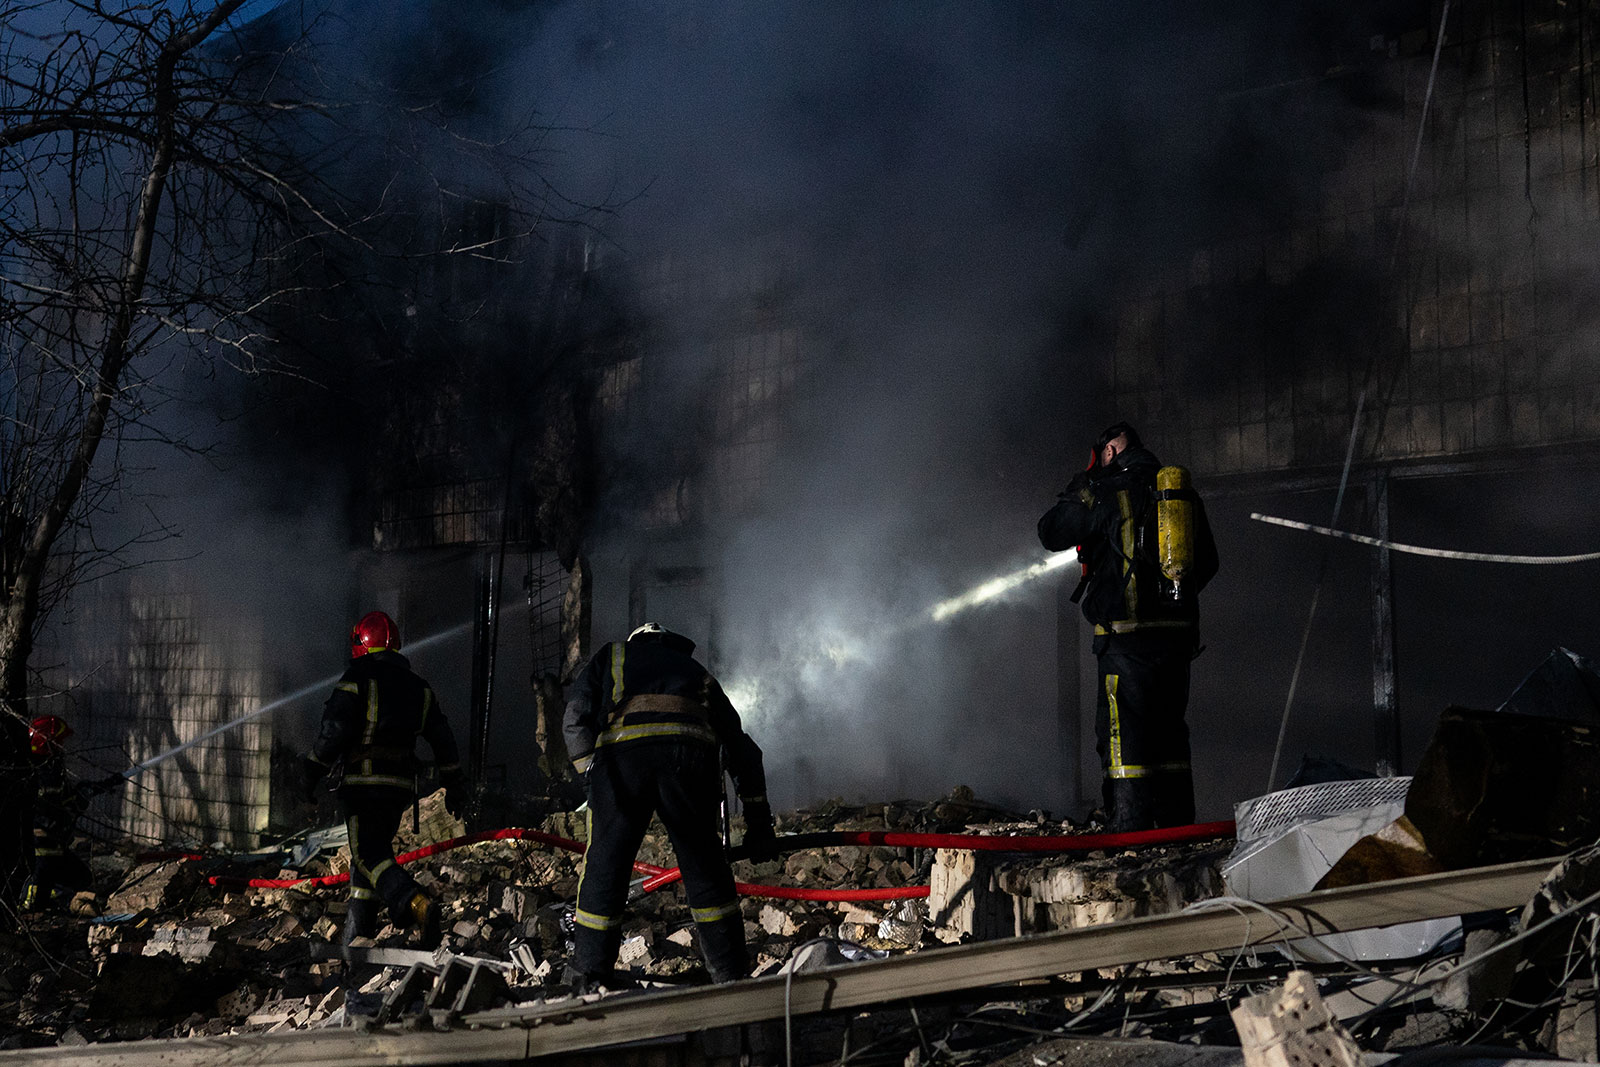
(1464, 307)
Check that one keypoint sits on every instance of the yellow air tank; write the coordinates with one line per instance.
(1174, 525)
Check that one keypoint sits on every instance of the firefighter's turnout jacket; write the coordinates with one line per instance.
(644, 725)
(372, 722)
(653, 689)
(1145, 636)
(370, 725)
(1111, 517)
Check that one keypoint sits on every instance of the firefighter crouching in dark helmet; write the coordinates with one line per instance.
(371, 724)
(1147, 551)
(57, 871)
(644, 727)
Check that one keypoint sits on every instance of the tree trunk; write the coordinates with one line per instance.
(17, 787)
(19, 612)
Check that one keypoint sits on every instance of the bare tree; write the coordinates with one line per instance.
(166, 190)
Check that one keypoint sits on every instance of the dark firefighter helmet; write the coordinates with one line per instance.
(1116, 430)
(1109, 434)
(46, 735)
(654, 631)
(376, 632)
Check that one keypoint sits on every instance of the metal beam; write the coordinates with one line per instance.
(568, 1025)
(1385, 715)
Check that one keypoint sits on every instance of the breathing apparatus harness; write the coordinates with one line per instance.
(1174, 500)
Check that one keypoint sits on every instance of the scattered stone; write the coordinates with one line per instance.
(156, 887)
(1291, 1027)
(777, 921)
(635, 951)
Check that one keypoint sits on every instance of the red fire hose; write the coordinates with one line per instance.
(658, 876)
(977, 843)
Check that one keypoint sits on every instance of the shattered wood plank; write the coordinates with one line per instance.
(567, 1025)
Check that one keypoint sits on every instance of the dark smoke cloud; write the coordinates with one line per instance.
(962, 188)
(960, 192)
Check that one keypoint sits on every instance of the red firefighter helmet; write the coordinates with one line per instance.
(45, 735)
(375, 632)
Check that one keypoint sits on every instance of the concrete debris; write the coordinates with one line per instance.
(1291, 1027)
(978, 896)
(1477, 988)
(1498, 786)
(157, 887)
(172, 956)
(1574, 1037)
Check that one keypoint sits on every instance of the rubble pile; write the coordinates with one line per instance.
(161, 952)
(170, 946)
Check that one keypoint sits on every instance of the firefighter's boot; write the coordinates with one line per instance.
(425, 915)
(723, 947)
(360, 920)
(1132, 803)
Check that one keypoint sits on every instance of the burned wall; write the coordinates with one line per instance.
(142, 672)
(1455, 298)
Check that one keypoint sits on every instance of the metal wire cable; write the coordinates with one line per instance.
(1287, 932)
(1560, 988)
(1575, 910)
(1419, 550)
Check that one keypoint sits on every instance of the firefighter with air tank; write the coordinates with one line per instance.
(1147, 551)
(379, 709)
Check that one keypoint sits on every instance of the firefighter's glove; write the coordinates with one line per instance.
(760, 842)
(455, 801)
(455, 794)
(310, 774)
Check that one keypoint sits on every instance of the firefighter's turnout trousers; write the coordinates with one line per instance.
(57, 874)
(372, 815)
(628, 782)
(1141, 736)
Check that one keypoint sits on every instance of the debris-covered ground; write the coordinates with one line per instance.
(158, 950)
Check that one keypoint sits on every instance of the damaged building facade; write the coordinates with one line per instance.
(1444, 300)
(538, 471)
(1404, 325)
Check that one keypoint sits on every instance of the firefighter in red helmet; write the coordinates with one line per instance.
(57, 872)
(370, 726)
